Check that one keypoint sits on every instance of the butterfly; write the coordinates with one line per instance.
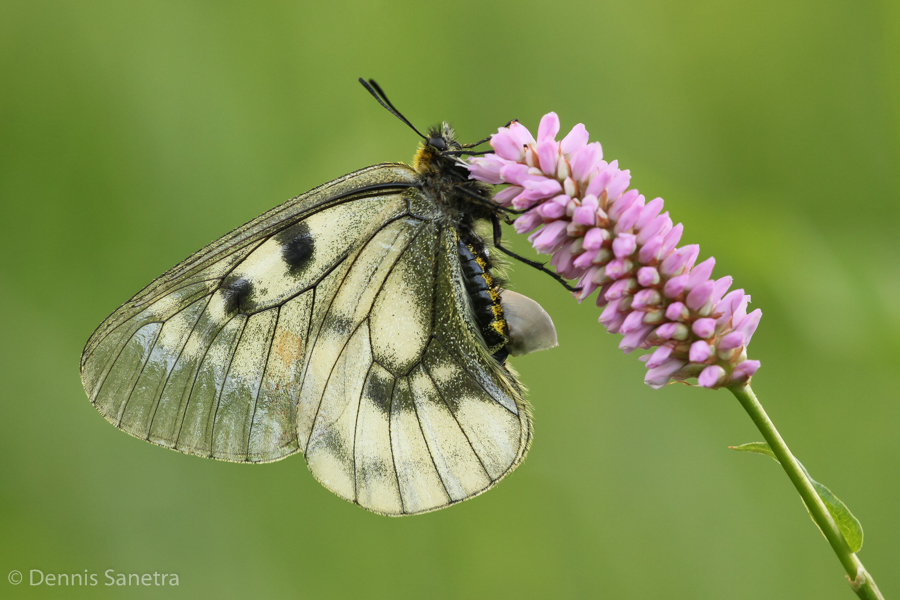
(361, 324)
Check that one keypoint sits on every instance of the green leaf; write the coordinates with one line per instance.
(849, 525)
(757, 447)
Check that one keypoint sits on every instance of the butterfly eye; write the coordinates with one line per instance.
(438, 142)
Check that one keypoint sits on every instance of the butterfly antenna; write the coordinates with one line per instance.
(382, 98)
(487, 139)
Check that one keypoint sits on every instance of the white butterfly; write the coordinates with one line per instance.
(359, 323)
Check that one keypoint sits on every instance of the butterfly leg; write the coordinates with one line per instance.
(493, 205)
(498, 233)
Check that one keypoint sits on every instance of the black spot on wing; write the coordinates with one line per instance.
(332, 441)
(403, 400)
(236, 295)
(339, 325)
(379, 389)
(297, 247)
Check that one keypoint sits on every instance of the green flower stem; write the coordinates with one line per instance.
(860, 580)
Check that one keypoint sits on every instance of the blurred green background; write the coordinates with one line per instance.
(131, 134)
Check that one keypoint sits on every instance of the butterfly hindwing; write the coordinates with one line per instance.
(415, 415)
(337, 325)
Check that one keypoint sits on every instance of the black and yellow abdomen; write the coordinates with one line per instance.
(485, 295)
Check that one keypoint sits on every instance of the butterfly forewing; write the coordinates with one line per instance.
(214, 261)
(337, 325)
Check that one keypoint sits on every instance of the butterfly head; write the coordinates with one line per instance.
(430, 155)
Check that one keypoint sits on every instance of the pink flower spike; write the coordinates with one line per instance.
(548, 155)
(677, 312)
(675, 286)
(732, 340)
(648, 276)
(578, 208)
(659, 356)
(701, 272)
(624, 245)
(576, 139)
(703, 328)
(507, 146)
(745, 370)
(520, 133)
(711, 376)
(548, 128)
(651, 210)
(659, 376)
(700, 352)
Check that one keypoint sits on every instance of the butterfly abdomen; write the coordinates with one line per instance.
(484, 293)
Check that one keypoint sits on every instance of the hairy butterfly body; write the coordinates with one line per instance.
(360, 324)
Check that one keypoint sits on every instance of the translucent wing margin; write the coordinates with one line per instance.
(206, 359)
